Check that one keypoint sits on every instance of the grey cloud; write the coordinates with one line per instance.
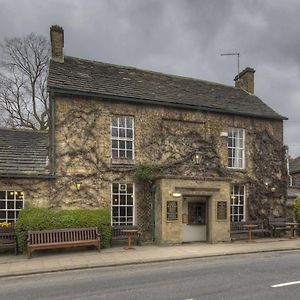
(180, 37)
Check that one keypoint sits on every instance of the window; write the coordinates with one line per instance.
(236, 148)
(122, 204)
(237, 203)
(122, 137)
(11, 202)
(196, 213)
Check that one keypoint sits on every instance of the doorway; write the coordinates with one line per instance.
(194, 219)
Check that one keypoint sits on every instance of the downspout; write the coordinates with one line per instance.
(152, 190)
(52, 133)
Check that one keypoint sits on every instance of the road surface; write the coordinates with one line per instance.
(255, 276)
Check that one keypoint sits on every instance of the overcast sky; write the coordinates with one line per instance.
(182, 37)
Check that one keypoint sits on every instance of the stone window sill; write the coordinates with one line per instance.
(122, 162)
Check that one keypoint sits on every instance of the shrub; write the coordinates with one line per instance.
(47, 218)
(297, 213)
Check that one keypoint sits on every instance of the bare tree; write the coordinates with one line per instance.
(23, 79)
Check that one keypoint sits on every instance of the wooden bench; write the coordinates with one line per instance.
(278, 225)
(62, 238)
(240, 228)
(117, 234)
(8, 239)
(262, 227)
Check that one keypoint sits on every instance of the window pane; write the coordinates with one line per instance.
(129, 200)
(129, 154)
(122, 122)
(129, 133)
(122, 144)
(122, 133)
(129, 211)
(129, 145)
(122, 199)
(2, 195)
(11, 215)
(2, 204)
(115, 154)
(10, 205)
(122, 153)
(114, 121)
(115, 200)
(129, 188)
(10, 195)
(2, 215)
(19, 204)
(115, 187)
(114, 132)
(122, 211)
(129, 122)
(114, 143)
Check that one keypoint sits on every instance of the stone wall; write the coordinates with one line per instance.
(166, 136)
(36, 191)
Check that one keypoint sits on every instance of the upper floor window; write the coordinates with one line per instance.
(236, 148)
(122, 137)
(11, 202)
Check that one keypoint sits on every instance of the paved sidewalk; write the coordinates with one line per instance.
(42, 262)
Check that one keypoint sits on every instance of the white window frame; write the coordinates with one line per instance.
(126, 205)
(14, 200)
(118, 138)
(235, 199)
(236, 149)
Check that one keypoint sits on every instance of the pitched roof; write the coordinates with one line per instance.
(295, 165)
(23, 153)
(79, 76)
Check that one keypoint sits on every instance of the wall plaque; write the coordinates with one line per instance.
(172, 210)
(222, 210)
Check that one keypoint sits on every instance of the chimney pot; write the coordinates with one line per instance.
(245, 80)
(57, 43)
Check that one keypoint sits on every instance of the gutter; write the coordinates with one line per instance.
(156, 102)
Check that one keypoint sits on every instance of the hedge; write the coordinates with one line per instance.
(47, 218)
(297, 213)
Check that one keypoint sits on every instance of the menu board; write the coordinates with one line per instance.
(172, 210)
(222, 210)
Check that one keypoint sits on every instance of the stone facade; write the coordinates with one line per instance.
(168, 137)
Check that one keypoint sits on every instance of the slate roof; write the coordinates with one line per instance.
(105, 80)
(23, 153)
(295, 165)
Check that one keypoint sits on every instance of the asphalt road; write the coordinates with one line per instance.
(229, 277)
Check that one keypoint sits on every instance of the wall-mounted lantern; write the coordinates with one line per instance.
(196, 157)
(176, 195)
(78, 185)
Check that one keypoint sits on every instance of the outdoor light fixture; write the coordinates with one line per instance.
(176, 195)
(78, 185)
(196, 157)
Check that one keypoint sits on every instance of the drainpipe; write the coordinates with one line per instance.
(152, 190)
(52, 133)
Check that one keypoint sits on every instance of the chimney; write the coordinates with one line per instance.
(57, 43)
(245, 80)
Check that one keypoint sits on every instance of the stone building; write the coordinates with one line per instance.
(217, 150)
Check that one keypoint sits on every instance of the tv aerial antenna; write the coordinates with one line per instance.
(238, 60)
